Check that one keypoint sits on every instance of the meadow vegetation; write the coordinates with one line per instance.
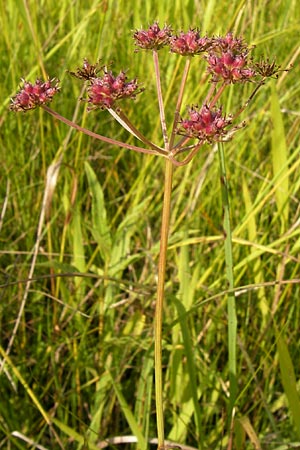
(80, 368)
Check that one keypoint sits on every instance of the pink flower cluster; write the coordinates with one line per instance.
(190, 43)
(104, 91)
(205, 124)
(33, 95)
(228, 60)
(153, 38)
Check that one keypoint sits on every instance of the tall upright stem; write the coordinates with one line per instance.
(159, 302)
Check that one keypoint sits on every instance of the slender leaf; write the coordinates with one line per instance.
(279, 158)
(142, 442)
(191, 365)
(78, 247)
(288, 379)
(74, 435)
(100, 228)
(246, 424)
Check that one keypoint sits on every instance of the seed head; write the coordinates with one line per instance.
(31, 95)
(267, 69)
(87, 71)
(152, 38)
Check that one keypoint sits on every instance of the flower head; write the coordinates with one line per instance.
(34, 95)
(190, 43)
(104, 91)
(230, 43)
(228, 60)
(268, 69)
(88, 71)
(205, 124)
(153, 38)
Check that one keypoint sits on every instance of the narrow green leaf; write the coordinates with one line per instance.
(279, 158)
(190, 364)
(181, 422)
(78, 248)
(231, 303)
(186, 280)
(26, 386)
(246, 424)
(289, 446)
(82, 440)
(239, 435)
(100, 228)
(252, 234)
(102, 391)
(288, 379)
(120, 252)
(208, 14)
(250, 213)
(143, 406)
(142, 442)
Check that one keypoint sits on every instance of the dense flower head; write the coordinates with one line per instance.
(190, 43)
(230, 43)
(104, 91)
(228, 60)
(153, 38)
(205, 124)
(31, 95)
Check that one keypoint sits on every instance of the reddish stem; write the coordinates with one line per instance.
(98, 136)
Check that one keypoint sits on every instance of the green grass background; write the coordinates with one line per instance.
(83, 355)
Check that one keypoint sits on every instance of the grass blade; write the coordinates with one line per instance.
(247, 426)
(231, 306)
(74, 435)
(279, 159)
(78, 247)
(142, 442)
(191, 366)
(288, 379)
(100, 229)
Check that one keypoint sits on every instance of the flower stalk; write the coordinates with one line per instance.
(100, 137)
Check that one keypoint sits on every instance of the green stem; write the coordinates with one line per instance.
(231, 308)
(160, 300)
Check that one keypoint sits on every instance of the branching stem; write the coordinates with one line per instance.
(99, 136)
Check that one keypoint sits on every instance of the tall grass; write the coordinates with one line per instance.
(81, 365)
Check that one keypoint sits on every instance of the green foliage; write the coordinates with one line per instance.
(100, 229)
(289, 383)
(280, 158)
(82, 356)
